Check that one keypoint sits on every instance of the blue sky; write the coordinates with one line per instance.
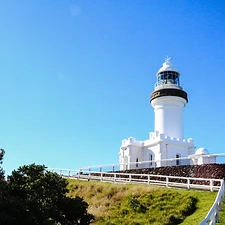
(76, 76)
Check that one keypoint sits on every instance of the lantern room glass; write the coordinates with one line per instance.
(168, 78)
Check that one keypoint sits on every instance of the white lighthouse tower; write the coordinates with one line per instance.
(168, 101)
(167, 141)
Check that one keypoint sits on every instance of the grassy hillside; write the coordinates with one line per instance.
(141, 204)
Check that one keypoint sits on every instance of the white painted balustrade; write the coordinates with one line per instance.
(161, 180)
(220, 158)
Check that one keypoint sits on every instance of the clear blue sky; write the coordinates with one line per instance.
(76, 76)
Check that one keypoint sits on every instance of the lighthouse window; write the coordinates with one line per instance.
(168, 77)
(136, 162)
(150, 159)
(177, 81)
(177, 159)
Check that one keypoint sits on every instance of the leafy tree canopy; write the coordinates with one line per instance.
(34, 196)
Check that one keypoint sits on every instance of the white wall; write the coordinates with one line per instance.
(159, 146)
(169, 115)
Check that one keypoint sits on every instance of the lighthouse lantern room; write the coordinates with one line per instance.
(167, 75)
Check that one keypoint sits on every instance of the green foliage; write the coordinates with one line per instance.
(2, 153)
(222, 214)
(167, 207)
(134, 204)
(3, 187)
(114, 204)
(38, 197)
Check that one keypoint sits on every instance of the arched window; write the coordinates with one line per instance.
(177, 159)
(150, 159)
(137, 162)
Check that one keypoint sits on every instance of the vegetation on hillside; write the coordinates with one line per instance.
(34, 196)
(142, 204)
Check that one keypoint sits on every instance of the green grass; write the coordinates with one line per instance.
(130, 204)
(222, 214)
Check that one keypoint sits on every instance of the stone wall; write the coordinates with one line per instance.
(213, 171)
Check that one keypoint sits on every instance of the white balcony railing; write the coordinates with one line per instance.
(220, 158)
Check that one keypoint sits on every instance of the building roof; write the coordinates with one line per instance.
(167, 66)
(202, 151)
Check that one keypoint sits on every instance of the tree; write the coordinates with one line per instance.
(2, 153)
(4, 197)
(38, 197)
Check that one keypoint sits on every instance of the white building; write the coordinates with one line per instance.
(167, 141)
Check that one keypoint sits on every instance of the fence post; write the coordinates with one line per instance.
(222, 183)
(211, 185)
(167, 181)
(101, 176)
(148, 179)
(188, 183)
(129, 178)
(89, 174)
(80, 171)
(114, 178)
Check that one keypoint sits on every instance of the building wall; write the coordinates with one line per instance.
(157, 148)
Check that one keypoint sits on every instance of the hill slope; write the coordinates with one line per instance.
(141, 204)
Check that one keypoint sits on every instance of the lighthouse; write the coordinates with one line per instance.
(166, 145)
(168, 101)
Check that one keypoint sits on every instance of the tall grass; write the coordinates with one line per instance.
(130, 204)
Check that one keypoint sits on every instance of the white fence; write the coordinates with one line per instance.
(213, 215)
(206, 159)
(161, 180)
